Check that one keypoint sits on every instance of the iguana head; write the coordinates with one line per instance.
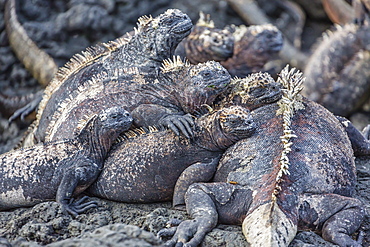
(197, 84)
(254, 46)
(158, 37)
(224, 127)
(255, 90)
(207, 43)
(108, 124)
(115, 118)
(262, 38)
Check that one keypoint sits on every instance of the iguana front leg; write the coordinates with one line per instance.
(208, 204)
(80, 172)
(198, 172)
(151, 114)
(360, 141)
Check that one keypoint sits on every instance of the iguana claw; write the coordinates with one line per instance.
(179, 123)
(75, 207)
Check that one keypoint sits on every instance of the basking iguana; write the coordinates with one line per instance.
(62, 169)
(254, 46)
(181, 88)
(206, 42)
(154, 40)
(338, 71)
(145, 165)
(296, 172)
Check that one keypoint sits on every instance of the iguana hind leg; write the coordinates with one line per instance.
(338, 217)
(209, 204)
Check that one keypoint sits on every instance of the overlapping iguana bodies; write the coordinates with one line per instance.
(206, 42)
(154, 40)
(145, 165)
(254, 46)
(296, 172)
(338, 71)
(181, 88)
(61, 169)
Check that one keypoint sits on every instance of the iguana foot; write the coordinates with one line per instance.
(27, 109)
(170, 230)
(187, 233)
(179, 123)
(75, 207)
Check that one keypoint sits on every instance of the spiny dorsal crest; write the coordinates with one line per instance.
(257, 29)
(291, 101)
(175, 64)
(83, 122)
(243, 86)
(146, 21)
(205, 20)
(134, 133)
(209, 65)
(254, 30)
(239, 32)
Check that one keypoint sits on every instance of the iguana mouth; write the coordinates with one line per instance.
(222, 52)
(219, 83)
(276, 46)
(245, 131)
(272, 97)
(184, 27)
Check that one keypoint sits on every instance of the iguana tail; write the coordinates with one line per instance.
(37, 62)
(268, 225)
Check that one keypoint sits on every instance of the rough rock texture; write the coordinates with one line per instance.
(120, 17)
(48, 223)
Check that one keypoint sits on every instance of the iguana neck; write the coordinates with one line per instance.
(144, 55)
(96, 141)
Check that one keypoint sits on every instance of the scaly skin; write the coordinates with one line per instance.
(338, 71)
(295, 173)
(154, 40)
(144, 167)
(62, 169)
(254, 46)
(180, 89)
(206, 42)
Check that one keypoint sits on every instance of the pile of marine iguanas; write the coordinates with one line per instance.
(130, 121)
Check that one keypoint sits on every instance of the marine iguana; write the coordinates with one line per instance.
(155, 39)
(254, 46)
(338, 71)
(181, 88)
(206, 42)
(296, 172)
(145, 165)
(62, 169)
(251, 92)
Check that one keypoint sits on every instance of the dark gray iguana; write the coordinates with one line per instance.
(296, 172)
(181, 88)
(154, 40)
(206, 42)
(63, 169)
(338, 71)
(254, 46)
(145, 165)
